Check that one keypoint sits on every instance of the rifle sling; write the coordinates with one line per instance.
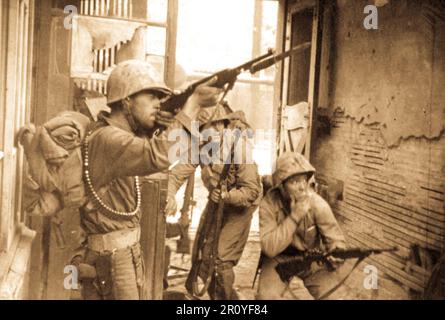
(333, 289)
(194, 271)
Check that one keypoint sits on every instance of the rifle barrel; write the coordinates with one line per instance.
(278, 57)
(242, 67)
(248, 65)
(223, 77)
(385, 249)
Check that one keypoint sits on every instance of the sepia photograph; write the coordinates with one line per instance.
(200, 150)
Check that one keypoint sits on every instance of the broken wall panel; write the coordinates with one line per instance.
(400, 199)
(96, 47)
(409, 41)
(384, 140)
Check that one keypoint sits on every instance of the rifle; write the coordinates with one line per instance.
(207, 235)
(228, 76)
(289, 266)
(183, 244)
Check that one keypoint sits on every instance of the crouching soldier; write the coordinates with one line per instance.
(241, 199)
(114, 155)
(293, 220)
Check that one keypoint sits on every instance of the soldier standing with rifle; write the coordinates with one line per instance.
(234, 190)
(115, 152)
(225, 223)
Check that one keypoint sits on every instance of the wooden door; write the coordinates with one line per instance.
(301, 73)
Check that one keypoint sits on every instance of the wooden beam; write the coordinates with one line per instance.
(170, 50)
(314, 73)
(278, 82)
(256, 51)
(39, 110)
(154, 190)
(11, 104)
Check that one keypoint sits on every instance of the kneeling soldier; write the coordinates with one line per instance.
(293, 220)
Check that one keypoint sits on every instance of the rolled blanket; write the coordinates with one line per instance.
(67, 129)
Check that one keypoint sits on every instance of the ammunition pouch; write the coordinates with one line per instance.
(104, 278)
(113, 266)
(86, 271)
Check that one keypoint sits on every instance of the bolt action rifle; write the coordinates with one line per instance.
(292, 265)
(289, 266)
(226, 78)
(205, 246)
(183, 244)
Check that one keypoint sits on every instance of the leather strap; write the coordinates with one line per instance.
(332, 290)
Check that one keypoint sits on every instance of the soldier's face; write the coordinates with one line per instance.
(296, 186)
(144, 107)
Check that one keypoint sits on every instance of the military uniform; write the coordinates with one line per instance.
(110, 260)
(116, 155)
(281, 235)
(244, 194)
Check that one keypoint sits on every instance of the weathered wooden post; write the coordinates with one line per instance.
(154, 196)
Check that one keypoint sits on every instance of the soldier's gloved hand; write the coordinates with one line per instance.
(165, 118)
(170, 207)
(300, 206)
(215, 195)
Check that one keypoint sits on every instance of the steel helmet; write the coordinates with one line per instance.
(133, 76)
(220, 112)
(213, 114)
(290, 164)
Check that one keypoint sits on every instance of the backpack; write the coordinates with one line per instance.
(53, 153)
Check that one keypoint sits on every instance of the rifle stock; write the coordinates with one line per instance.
(209, 229)
(183, 244)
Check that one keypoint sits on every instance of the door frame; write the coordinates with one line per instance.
(291, 8)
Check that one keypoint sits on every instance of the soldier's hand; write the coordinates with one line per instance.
(165, 118)
(300, 206)
(335, 262)
(205, 95)
(170, 207)
(215, 195)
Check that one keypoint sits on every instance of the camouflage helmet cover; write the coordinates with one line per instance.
(290, 164)
(133, 76)
(220, 112)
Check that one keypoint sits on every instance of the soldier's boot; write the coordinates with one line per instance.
(221, 286)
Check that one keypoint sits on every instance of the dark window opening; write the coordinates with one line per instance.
(300, 63)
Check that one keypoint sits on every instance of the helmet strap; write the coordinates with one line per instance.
(129, 115)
